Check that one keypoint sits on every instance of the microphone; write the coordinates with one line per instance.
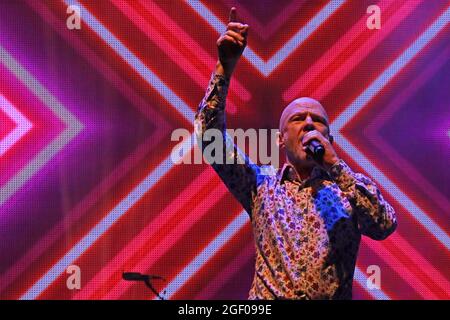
(316, 149)
(136, 276)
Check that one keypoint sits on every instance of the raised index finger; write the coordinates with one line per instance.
(233, 15)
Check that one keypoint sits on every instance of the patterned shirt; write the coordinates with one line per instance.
(307, 233)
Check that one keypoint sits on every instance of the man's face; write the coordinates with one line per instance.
(299, 117)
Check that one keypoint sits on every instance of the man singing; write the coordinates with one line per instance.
(307, 217)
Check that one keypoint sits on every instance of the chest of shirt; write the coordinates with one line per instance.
(318, 211)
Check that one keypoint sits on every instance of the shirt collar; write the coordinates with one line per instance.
(289, 173)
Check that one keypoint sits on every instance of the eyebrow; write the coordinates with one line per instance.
(313, 116)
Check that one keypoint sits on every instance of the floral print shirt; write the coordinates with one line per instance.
(307, 233)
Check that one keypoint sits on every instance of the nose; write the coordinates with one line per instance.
(309, 124)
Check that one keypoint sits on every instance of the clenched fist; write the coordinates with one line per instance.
(231, 44)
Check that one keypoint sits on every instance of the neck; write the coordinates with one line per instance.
(303, 170)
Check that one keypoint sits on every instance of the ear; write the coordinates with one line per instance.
(280, 141)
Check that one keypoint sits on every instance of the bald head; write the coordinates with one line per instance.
(300, 105)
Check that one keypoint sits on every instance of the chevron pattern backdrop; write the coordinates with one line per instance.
(86, 118)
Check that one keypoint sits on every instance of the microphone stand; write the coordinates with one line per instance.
(136, 276)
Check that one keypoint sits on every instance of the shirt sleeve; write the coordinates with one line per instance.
(375, 216)
(232, 165)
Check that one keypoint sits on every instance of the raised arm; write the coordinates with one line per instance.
(234, 167)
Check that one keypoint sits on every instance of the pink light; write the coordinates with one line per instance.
(23, 125)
